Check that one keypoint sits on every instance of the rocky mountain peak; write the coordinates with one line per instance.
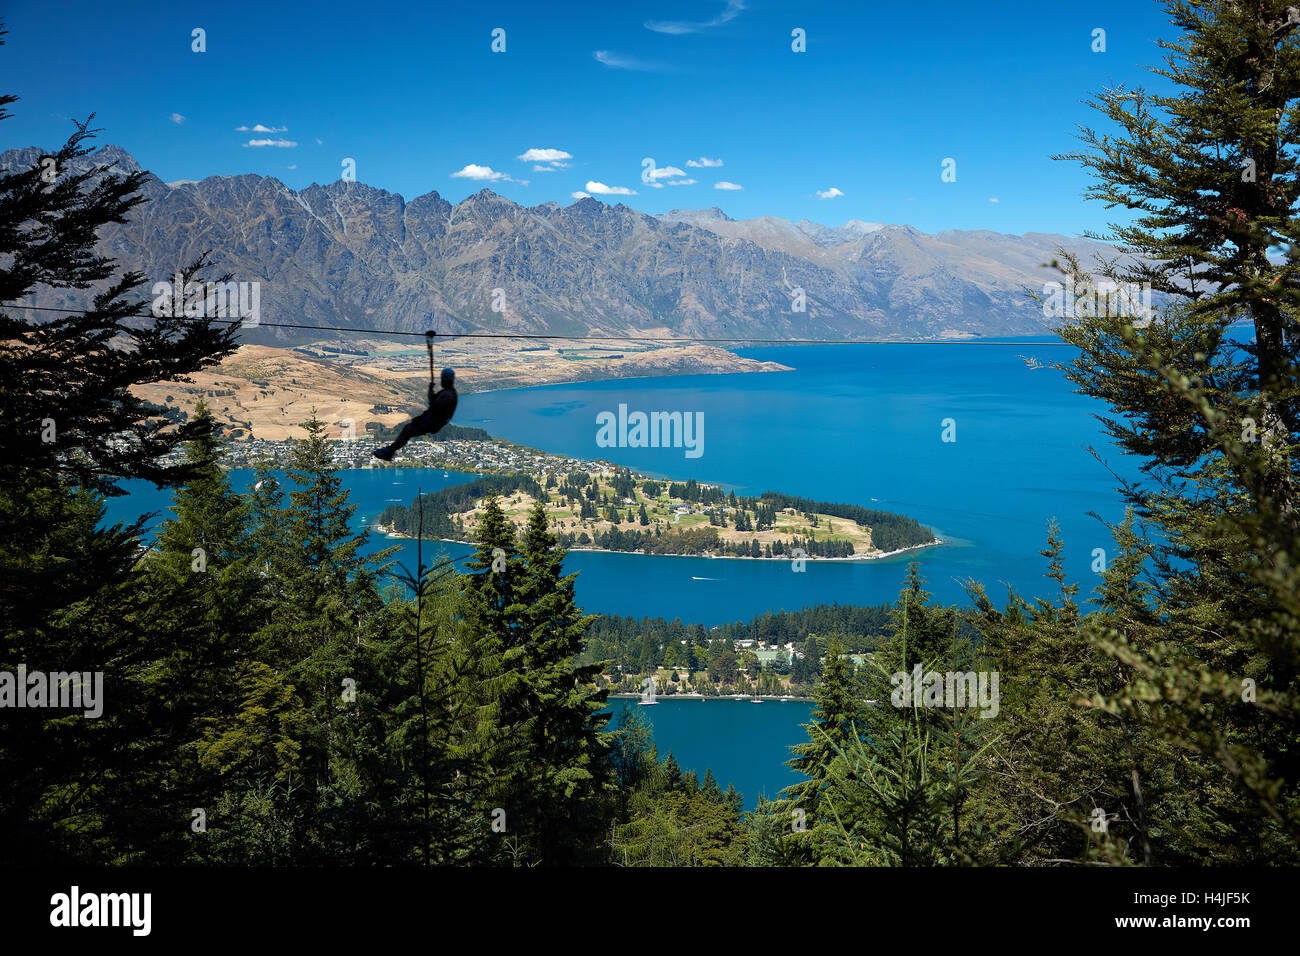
(348, 254)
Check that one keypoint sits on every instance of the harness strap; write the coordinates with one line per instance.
(428, 343)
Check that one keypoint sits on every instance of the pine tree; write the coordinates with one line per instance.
(67, 607)
(567, 755)
(432, 794)
(1211, 171)
(70, 429)
(900, 791)
(837, 718)
(492, 645)
(324, 610)
(198, 604)
(674, 821)
(930, 628)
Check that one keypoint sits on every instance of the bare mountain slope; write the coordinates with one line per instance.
(348, 254)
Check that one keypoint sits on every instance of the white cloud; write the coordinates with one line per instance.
(600, 189)
(580, 195)
(281, 143)
(832, 193)
(177, 118)
(294, 166)
(620, 62)
(318, 142)
(552, 156)
(703, 162)
(546, 160)
(723, 184)
(472, 171)
(679, 27)
(259, 128)
(485, 174)
(671, 174)
(994, 199)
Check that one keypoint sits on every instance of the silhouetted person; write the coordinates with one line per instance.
(442, 405)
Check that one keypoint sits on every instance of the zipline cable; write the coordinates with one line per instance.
(599, 338)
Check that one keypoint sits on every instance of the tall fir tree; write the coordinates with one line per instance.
(837, 719)
(492, 643)
(567, 791)
(903, 792)
(71, 428)
(325, 611)
(1211, 170)
(198, 604)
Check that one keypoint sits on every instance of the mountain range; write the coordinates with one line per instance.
(348, 254)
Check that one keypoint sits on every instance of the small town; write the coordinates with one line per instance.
(485, 456)
(751, 669)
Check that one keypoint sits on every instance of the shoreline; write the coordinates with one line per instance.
(739, 346)
(694, 696)
(633, 378)
(392, 535)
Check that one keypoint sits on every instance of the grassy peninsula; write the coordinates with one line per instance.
(616, 510)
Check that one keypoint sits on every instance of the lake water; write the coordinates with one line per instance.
(861, 424)
(744, 744)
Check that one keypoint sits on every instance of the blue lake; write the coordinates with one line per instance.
(861, 424)
(744, 744)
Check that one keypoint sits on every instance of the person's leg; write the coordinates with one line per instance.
(412, 429)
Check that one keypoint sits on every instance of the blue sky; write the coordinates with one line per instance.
(414, 94)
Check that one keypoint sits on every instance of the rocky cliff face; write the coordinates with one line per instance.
(349, 254)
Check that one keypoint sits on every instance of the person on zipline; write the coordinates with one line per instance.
(442, 405)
